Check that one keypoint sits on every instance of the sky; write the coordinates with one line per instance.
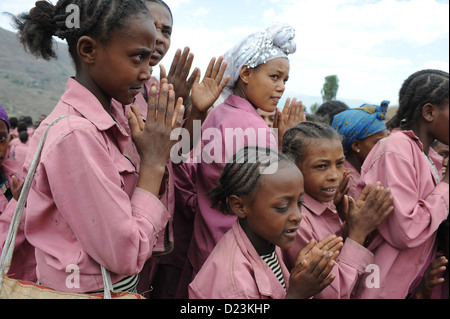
(372, 46)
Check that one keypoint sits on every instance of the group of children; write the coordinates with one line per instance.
(308, 210)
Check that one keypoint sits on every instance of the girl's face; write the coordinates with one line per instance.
(269, 118)
(163, 23)
(273, 214)
(4, 140)
(266, 84)
(365, 145)
(441, 127)
(323, 168)
(122, 65)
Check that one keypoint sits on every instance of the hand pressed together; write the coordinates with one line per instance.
(152, 137)
(313, 266)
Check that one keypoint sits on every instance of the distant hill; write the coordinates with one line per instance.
(30, 86)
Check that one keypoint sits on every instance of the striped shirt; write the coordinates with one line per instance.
(270, 258)
(127, 284)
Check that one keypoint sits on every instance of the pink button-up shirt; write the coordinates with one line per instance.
(17, 150)
(23, 264)
(405, 240)
(84, 208)
(354, 178)
(321, 220)
(234, 270)
(234, 114)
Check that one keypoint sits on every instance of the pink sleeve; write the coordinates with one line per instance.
(116, 232)
(416, 217)
(23, 265)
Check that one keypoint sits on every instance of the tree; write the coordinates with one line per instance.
(313, 108)
(330, 88)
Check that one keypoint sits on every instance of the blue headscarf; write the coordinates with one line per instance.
(359, 123)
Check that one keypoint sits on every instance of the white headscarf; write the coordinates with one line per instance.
(258, 48)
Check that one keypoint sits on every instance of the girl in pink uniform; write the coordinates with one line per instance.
(361, 129)
(317, 150)
(404, 244)
(246, 262)
(94, 198)
(258, 68)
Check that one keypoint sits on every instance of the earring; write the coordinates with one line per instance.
(358, 151)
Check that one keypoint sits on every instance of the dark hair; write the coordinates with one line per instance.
(329, 109)
(97, 20)
(13, 121)
(297, 139)
(22, 126)
(317, 118)
(422, 87)
(164, 4)
(241, 175)
(23, 136)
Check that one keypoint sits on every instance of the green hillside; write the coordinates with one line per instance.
(30, 86)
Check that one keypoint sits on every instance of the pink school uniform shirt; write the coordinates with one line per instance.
(354, 178)
(211, 224)
(17, 150)
(84, 208)
(405, 241)
(234, 270)
(23, 265)
(321, 220)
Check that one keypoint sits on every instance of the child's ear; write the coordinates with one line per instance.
(245, 74)
(237, 206)
(428, 112)
(86, 48)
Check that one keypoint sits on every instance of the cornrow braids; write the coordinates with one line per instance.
(298, 138)
(422, 87)
(241, 175)
(97, 19)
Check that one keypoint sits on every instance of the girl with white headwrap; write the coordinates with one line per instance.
(258, 67)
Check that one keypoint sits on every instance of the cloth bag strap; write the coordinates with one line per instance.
(8, 248)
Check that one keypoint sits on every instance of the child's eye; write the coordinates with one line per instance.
(282, 209)
(300, 203)
(275, 77)
(139, 57)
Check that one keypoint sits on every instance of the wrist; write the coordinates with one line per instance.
(198, 114)
(359, 238)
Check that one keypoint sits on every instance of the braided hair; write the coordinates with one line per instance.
(422, 87)
(242, 174)
(298, 138)
(98, 18)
